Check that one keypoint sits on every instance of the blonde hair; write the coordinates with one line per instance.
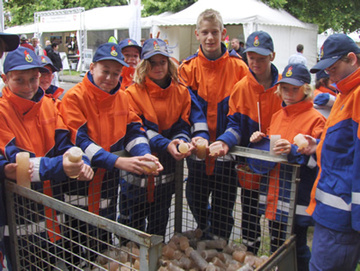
(144, 67)
(306, 88)
(212, 16)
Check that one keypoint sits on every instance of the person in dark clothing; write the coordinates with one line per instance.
(238, 47)
(56, 60)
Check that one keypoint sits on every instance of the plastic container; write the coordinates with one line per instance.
(183, 147)
(22, 170)
(301, 141)
(201, 148)
(150, 167)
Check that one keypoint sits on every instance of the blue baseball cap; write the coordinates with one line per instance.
(296, 75)
(44, 61)
(153, 47)
(335, 47)
(109, 51)
(22, 59)
(321, 74)
(11, 41)
(129, 43)
(259, 42)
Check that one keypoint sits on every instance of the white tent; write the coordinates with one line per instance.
(241, 18)
(116, 17)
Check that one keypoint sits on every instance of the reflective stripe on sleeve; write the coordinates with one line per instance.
(235, 134)
(151, 134)
(36, 167)
(182, 135)
(91, 150)
(200, 126)
(136, 141)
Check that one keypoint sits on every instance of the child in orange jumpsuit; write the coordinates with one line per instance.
(296, 116)
(156, 90)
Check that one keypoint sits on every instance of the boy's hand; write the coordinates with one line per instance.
(218, 148)
(10, 171)
(86, 173)
(282, 146)
(256, 137)
(73, 170)
(311, 148)
(147, 164)
(172, 148)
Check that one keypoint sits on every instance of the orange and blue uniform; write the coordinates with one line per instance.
(101, 123)
(54, 92)
(336, 189)
(275, 191)
(152, 102)
(126, 78)
(210, 83)
(37, 127)
(250, 106)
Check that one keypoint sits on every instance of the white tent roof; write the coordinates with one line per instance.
(116, 17)
(233, 12)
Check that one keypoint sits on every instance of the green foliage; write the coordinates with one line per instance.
(340, 15)
(152, 7)
(22, 11)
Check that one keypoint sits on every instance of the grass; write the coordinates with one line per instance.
(67, 72)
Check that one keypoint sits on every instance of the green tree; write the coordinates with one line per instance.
(340, 15)
(22, 11)
(153, 7)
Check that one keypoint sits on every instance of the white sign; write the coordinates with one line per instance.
(88, 55)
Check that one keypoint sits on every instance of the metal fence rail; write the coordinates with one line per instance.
(47, 233)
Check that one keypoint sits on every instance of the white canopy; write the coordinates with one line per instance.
(241, 18)
(104, 18)
(233, 12)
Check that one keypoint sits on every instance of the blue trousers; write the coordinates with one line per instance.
(333, 250)
(215, 217)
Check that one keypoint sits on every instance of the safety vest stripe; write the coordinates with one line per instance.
(355, 198)
(332, 200)
(80, 200)
(301, 210)
(91, 150)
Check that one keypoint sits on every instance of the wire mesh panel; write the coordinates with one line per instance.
(69, 238)
(200, 215)
(253, 224)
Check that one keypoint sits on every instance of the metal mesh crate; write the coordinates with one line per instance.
(87, 241)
